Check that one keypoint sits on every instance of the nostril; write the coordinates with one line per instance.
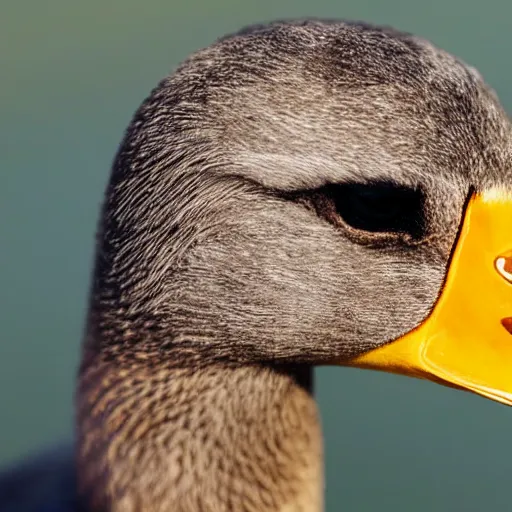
(504, 267)
(507, 323)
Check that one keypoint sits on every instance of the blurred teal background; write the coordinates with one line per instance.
(72, 75)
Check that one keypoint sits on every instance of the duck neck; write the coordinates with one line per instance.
(214, 437)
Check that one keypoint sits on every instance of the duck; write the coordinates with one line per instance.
(301, 193)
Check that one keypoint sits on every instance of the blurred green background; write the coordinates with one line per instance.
(72, 75)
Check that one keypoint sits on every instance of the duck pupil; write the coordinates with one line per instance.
(379, 208)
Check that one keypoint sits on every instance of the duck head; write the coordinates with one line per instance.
(297, 194)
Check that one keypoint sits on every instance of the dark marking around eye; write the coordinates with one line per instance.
(377, 209)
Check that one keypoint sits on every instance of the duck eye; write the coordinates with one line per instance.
(379, 208)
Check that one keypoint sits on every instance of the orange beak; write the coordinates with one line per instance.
(466, 342)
